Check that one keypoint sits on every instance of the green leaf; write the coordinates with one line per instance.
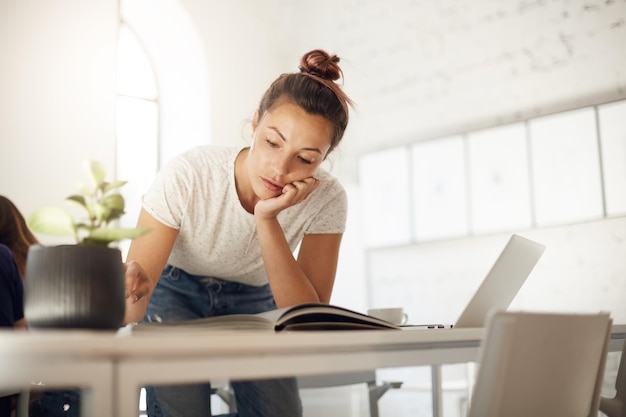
(84, 226)
(83, 188)
(114, 202)
(102, 205)
(112, 234)
(100, 212)
(52, 221)
(77, 200)
(96, 172)
(113, 215)
(113, 185)
(93, 242)
(113, 207)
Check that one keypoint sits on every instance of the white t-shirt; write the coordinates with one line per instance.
(195, 193)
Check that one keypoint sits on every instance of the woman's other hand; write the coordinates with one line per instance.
(138, 291)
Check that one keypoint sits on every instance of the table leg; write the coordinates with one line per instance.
(97, 398)
(94, 377)
(127, 393)
(435, 371)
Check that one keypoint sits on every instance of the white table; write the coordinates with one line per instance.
(199, 357)
(51, 360)
(113, 367)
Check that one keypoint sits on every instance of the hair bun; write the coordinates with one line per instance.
(321, 64)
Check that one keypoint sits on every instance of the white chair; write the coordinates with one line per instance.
(541, 364)
(616, 406)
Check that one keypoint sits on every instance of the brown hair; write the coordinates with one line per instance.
(14, 233)
(314, 90)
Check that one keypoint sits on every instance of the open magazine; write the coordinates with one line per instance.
(309, 316)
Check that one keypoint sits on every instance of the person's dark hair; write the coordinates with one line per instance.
(315, 90)
(14, 232)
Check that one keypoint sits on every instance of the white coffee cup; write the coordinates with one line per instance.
(395, 315)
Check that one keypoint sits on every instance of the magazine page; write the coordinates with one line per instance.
(228, 322)
(318, 316)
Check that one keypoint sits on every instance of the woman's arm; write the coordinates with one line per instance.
(146, 259)
(318, 257)
(311, 277)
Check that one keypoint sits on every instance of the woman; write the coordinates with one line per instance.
(14, 233)
(15, 239)
(11, 291)
(11, 309)
(226, 221)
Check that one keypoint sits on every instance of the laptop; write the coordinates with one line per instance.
(502, 283)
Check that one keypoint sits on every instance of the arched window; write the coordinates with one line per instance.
(162, 87)
(137, 121)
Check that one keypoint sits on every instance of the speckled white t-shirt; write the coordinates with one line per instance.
(195, 193)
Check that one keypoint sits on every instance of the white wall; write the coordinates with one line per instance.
(428, 70)
(242, 41)
(57, 101)
(423, 69)
(57, 95)
(213, 61)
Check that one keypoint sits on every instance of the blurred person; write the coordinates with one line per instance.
(11, 291)
(11, 308)
(15, 241)
(14, 233)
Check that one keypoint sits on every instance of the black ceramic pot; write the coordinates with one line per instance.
(74, 286)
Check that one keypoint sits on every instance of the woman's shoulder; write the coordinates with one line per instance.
(6, 256)
(203, 158)
(329, 181)
(207, 154)
(8, 267)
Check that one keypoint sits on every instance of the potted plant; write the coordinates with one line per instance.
(79, 285)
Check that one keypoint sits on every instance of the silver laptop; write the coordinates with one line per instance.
(502, 283)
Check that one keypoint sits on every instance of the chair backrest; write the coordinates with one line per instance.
(541, 364)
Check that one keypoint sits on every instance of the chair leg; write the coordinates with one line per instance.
(616, 406)
(612, 407)
(228, 397)
(376, 391)
(23, 403)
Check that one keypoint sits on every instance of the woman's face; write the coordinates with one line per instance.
(288, 145)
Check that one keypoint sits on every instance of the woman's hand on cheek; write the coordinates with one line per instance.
(293, 193)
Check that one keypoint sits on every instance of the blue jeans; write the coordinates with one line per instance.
(57, 403)
(182, 296)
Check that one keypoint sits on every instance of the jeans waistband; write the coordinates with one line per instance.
(216, 284)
